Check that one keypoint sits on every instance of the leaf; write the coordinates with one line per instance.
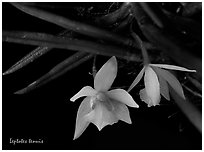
(106, 75)
(43, 39)
(58, 70)
(137, 79)
(81, 122)
(171, 67)
(85, 91)
(36, 53)
(78, 27)
(33, 55)
(123, 97)
(190, 111)
(172, 80)
(152, 88)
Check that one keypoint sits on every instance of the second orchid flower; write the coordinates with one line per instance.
(156, 79)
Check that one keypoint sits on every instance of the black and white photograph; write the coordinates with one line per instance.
(101, 75)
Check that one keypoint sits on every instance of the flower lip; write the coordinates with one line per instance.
(103, 98)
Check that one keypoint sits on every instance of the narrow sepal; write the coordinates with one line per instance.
(81, 121)
(106, 75)
(137, 79)
(85, 91)
(172, 80)
(164, 88)
(123, 97)
(172, 67)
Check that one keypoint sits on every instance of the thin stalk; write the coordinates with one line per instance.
(94, 71)
(144, 51)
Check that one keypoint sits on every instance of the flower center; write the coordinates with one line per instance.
(101, 98)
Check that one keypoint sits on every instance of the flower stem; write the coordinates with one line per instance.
(144, 51)
(94, 71)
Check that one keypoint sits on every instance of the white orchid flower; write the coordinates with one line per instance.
(102, 107)
(156, 81)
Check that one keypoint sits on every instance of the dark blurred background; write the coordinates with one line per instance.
(47, 114)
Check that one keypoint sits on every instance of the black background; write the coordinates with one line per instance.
(47, 113)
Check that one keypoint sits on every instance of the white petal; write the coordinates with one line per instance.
(85, 91)
(106, 75)
(172, 80)
(121, 111)
(101, 116)
(81, 122)
(137, 79)
(123, 97)
(144, 97)
(172, 67)
(164, 88)
(152, 87)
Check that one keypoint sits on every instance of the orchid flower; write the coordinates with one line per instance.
(156, 80)
(102, 107)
